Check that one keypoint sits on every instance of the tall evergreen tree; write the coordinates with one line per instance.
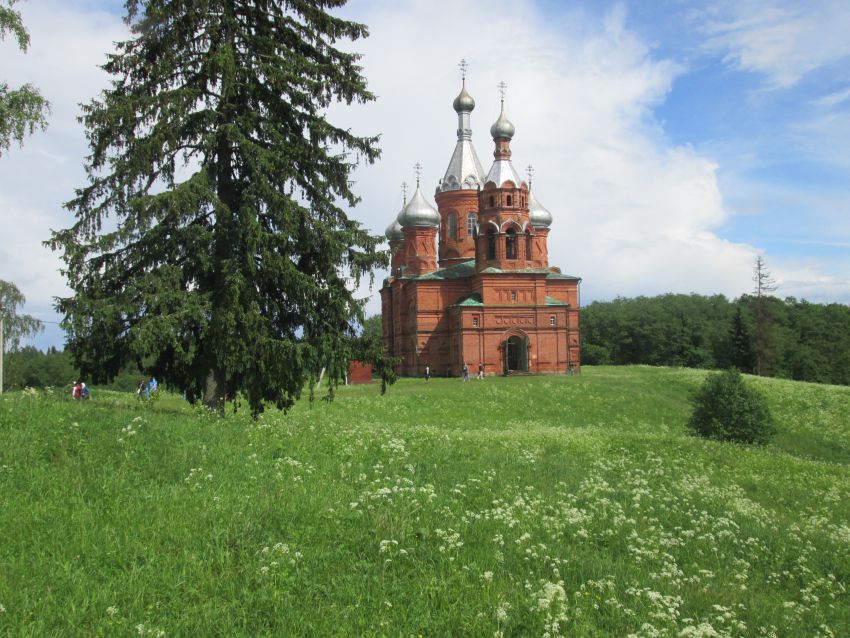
(740, 351)
(228, 260)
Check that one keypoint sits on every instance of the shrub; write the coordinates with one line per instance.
(727, 409)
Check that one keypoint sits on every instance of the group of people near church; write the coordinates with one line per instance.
(80, 391)
(147, 389)
(465, 372)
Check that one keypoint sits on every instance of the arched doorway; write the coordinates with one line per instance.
(516, 354)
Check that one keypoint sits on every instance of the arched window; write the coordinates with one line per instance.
(491, 245)
(452, 226)
(510, 244)
(528, 245)
(510, 199)
(471, 221)
(492, 201)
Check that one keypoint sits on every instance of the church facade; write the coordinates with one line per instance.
(470, 280)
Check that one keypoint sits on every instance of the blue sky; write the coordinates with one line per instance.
(783, 170)
(673, 141)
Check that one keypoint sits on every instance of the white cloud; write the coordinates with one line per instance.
(634, 214)
(806, 279)
(782, 39)
(833, 99)
(67, 45)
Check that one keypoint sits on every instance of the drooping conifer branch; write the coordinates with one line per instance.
(211, 242)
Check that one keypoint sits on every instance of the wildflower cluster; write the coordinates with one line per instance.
(277, 559)
(197, 478)
(131, 429)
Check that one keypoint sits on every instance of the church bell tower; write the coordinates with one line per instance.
(457, 192)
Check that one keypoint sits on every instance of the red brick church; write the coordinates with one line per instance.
(486, 294)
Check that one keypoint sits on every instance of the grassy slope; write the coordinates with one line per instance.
(574, 506)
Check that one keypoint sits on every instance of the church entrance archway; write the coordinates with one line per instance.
(516, 354)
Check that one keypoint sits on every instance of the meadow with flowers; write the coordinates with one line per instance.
(531, 506)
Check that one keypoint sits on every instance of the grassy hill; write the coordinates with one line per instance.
(533, 506)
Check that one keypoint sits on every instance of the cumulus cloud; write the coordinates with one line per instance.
(782, 39)
(634, 214)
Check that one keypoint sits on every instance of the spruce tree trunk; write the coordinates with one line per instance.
(215, 390)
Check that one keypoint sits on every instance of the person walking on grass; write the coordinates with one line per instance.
(480, 370)
(465, 372)
(427, 373)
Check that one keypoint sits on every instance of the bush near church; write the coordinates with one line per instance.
(727, 409)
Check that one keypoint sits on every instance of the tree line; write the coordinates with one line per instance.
(29, 367)
(763, 334)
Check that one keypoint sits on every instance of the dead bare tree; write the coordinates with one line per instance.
(764, 285)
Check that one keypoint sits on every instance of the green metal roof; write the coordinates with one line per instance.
(473, 299)
(527, 271)
(467, 269)
(458, 271)
(551, 301)
(560, 275)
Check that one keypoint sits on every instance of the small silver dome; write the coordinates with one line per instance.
(502, 127)
(393, 231)
(537, 215)
(463, 102)
(418, 212)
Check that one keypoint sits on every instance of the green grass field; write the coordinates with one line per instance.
(533, 506)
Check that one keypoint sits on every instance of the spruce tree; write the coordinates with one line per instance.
(740, 353)
(210, 241)
(727, 409)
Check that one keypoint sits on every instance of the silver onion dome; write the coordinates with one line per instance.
(502, 127)
(393, 231)
(465, 170)
(418, 212)
(537, 214)
(463, 102)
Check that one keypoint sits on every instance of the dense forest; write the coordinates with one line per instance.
(799, 340)
(785, 338)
